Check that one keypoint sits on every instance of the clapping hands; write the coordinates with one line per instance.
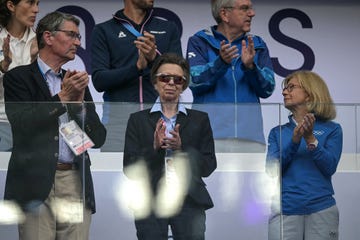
(305, 129)
(161, 140)
(146, 45)
(73, 86)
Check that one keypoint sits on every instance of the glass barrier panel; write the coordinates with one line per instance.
(245, 193)
(45, 170)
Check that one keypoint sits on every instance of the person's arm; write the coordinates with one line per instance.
(139, 146)
(4, 66)
(261, 77)
(105, 75)
(277, 153)
(6, 57)
(273, 154)
(169, 44)
(327, 155)
(203, 157)
(23, 113)
(205, 72)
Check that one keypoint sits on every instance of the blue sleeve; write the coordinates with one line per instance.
(273, 154)
(261, 78)
(204, 71)
(139, 148)
(327, 155)
(280, 153)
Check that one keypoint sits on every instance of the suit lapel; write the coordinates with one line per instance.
(182, 119)
(40, 80)
(154, 117)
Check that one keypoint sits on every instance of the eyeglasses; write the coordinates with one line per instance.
(290, 87)
(165, 78)
(72, 34)
(243, 8)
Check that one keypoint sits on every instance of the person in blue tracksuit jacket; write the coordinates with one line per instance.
(231, 70)
(305, 152)
(123, 50)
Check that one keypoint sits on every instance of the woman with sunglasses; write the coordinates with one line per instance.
(176, 144)
(306, 152)
(18, 46)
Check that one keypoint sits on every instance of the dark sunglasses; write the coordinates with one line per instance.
(165, 78)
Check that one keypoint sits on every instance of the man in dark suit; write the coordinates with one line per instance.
(51, 183)
(177, 146)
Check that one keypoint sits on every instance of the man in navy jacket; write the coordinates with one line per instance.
(122, 53)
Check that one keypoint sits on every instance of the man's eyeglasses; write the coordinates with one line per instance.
(243, 8)
(290, 87)
(165, 78)
(72, 34)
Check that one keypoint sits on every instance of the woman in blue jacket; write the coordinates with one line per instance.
(307, 149)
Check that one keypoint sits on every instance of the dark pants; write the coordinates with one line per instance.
(188, 224)
(5, 137)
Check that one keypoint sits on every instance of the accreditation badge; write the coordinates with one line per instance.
(77, 140)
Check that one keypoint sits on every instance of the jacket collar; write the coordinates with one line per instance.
(121, 17)
(40, 79)
(181, 118)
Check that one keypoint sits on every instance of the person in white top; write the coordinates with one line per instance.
(18, 46)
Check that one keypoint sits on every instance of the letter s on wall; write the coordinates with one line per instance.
(274, 23)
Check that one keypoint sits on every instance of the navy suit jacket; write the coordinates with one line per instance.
(33, 114)
(197, 141)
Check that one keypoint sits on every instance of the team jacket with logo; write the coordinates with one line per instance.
(114, 56)
(233, 86)
(306, 175)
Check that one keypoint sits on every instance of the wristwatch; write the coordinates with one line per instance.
(311, 146)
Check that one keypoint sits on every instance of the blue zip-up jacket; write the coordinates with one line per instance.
(114, 56)
(215, 81)
(306, 175)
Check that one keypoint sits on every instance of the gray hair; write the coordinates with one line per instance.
(52, 22)
(216, 6)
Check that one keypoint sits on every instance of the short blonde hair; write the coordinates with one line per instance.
(320, 103)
